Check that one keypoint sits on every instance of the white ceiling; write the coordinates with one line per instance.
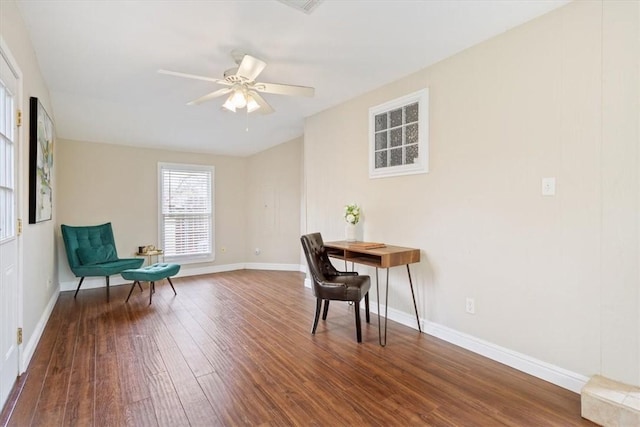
(100, 60)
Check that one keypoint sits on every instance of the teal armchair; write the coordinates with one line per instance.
(91, 252)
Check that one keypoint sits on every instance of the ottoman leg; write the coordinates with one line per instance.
(174, 289)
(152, 288)
(132, 288)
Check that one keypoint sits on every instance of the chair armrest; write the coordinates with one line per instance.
(346, 273)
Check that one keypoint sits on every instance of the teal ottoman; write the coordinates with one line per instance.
(151, 274)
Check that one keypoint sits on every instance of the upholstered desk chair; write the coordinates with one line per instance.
(331, 284)
(91, 251)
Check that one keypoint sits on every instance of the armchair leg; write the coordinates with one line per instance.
(356, 305)
(78, 288)
(366, 307)
(317, 316)
(326, 309)
(107, 277)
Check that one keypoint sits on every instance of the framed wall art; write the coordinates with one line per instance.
(41, 136)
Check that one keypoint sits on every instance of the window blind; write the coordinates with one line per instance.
(186, 210)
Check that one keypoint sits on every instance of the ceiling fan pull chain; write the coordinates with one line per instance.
(247, 129)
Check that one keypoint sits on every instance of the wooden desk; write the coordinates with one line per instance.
(382, 257)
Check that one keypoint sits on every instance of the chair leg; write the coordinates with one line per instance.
(326, 309)
(366, 306)
(132, 288)
(107, 277)
(78, 288)
(174, 289)
(139, 285)
(317, 316)
(356, 306)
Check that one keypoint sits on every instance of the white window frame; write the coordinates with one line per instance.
(187, 259)
(421, 162)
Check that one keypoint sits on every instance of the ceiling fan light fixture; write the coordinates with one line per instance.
(252, 105)
(228, 104)
(238, 99)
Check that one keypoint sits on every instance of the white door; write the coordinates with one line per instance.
(8, 236)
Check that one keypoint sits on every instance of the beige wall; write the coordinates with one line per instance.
(118, 184)
(37, 240)
(273, 202)
(554, 278)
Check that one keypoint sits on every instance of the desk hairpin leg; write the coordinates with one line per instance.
(346, 266)
(383, 342)
(383, 339)
(413, 295)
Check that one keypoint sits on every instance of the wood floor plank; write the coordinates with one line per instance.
(140, 414)
(79, 410)
(235, 348)
(166, 403)
(195, 359)
(109, 408)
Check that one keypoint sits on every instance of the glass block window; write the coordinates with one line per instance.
(399, 132)
(186, 212)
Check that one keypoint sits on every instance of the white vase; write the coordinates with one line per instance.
(350, 232)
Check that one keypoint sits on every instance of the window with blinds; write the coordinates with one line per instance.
(186, 211)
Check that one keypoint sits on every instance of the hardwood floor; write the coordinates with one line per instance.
(235, 349)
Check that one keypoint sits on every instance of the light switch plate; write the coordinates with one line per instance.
(549, 186)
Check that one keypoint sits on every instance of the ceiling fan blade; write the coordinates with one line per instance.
(250, 67)
(265, 108)
(194, 76)
(281, 89)
(210, 96)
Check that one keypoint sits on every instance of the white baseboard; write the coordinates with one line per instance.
(529, 365)
(271, 266)
(27, 351)
(185, 271)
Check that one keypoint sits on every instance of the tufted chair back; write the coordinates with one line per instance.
(98, 238)
(320, 266)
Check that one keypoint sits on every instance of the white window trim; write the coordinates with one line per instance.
(421, 165)
(187, 259)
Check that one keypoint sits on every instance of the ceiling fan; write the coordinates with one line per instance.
(242, 87)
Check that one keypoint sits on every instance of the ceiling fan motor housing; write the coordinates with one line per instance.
(231, 76)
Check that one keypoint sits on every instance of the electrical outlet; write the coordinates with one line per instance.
(470, 306)
(549, 186)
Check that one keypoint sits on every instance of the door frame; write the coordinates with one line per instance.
(19, 154)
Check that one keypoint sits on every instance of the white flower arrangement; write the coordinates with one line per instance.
(352, 213)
